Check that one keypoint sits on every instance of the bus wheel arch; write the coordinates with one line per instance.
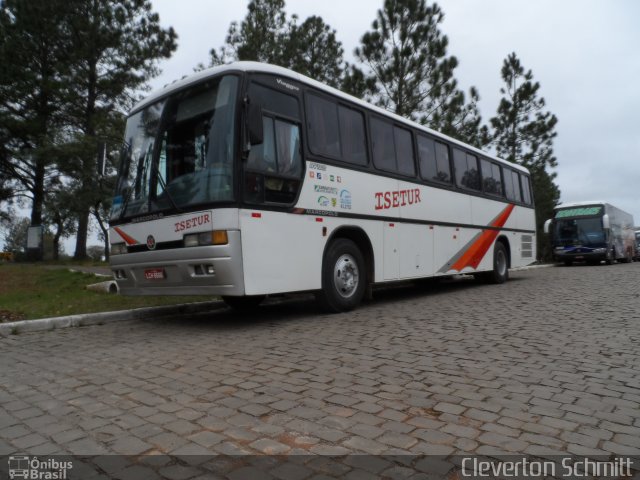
(347, 247)
(501, 262)
(507, 246)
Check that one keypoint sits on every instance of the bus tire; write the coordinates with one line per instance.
(246, 303)
(344, 278)
(500, 272)
(611, 257)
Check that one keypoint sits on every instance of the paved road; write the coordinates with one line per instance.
(548, 363)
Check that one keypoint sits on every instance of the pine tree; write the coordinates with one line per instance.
(34, 52)
(118, 44)
(461, 119)
(257, 37)
(523, 133)
(405, 54)
(310, 48)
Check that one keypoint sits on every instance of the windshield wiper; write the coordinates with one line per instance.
(126, 152)
(165, 190)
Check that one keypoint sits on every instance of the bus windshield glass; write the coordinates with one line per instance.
(579, 231)
(179, 152)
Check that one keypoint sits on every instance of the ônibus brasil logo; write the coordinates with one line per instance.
(22, 466)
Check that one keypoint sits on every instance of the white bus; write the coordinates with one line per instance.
(248, 179)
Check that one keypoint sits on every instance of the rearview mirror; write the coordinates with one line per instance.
(254, 124)
(547, 226)
(606, 224)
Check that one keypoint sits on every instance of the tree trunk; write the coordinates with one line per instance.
(105, 231)
(81, 237)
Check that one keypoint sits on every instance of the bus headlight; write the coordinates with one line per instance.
(118, 248)
(599, 250)
(216, 237)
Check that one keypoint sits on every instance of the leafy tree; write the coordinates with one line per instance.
(523, 132)
(310, 48)
(95, 252)
(60, 214)
(15, 240)
(34, 52)
(405, 54)
(118, 44)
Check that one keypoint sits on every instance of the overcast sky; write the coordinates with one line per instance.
(584, 53)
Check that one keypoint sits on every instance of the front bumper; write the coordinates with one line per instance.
(580, 255)
(207, 270)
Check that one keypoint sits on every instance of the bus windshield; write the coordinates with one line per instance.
(179, 152)
(579, 231)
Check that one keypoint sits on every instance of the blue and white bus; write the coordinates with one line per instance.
(591, 232)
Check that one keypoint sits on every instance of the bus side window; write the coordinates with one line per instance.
(352, 136)
(491, 181)
(384, 155)
(322, 125)
(509, 187)
(404, 152)
(274, 167)
(526, 189)
(288, 147)
(466, 166)
(434, 160)
(262, 157)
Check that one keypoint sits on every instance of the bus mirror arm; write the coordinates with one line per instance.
(547, 226)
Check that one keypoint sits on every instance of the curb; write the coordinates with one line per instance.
(81, 320)
(533, 267)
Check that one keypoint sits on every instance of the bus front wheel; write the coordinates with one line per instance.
(611, 257)
(343, 277)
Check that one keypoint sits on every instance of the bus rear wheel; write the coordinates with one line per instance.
(500, 272)
(343, 277)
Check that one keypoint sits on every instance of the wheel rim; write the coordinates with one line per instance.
(501, 263)
(346, 276)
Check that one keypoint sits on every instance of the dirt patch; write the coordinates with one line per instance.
(7, 316)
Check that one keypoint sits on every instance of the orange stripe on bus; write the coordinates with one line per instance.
(126, 238)
(476, 252)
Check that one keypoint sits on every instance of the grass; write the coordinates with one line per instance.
(30, 291)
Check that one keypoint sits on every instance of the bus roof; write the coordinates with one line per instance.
(258, 67)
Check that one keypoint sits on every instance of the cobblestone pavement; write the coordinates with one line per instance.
(548, 363)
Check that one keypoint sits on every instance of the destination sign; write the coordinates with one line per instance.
(579, 212)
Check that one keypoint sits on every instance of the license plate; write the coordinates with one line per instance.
(154, 274)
